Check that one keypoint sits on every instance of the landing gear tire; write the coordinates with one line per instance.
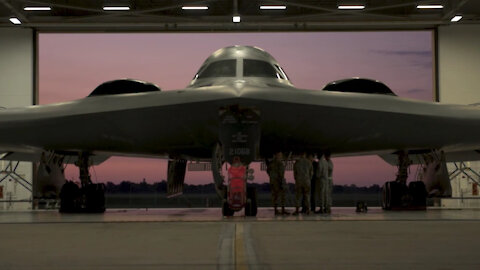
(95, 198)
(386, 196)
(418, 194)
(395, 195)
(251, 205)
(90, 199)
(226, 211)
(69, 198)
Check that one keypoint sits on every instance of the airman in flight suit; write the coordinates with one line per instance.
(327, 195)
(322, 183)
(302, 172)
(276, 172)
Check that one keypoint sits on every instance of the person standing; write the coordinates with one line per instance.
(276, 172)
(329, 189)
(302, 172)
(314, 195)
(310, 157)
(322, 183)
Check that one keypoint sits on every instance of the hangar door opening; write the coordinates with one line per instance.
(72, 65)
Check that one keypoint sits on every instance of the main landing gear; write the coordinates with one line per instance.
(397, 195)
(88, 198)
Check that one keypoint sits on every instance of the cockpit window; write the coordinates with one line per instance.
(283, 74)
(258, 68)
(223, 68)
(251, 68)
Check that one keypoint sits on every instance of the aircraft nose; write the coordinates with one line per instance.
(239, 85)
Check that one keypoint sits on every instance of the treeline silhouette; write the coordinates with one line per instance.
(161, 187)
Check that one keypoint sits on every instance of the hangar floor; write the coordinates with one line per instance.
(200, 239)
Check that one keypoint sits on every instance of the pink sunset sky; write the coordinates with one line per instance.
(72, 65)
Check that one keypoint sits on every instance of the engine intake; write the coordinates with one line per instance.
(359, 85)
(123, 86)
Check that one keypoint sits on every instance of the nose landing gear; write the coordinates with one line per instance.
(240, 139)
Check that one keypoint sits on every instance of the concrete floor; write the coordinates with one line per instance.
(201, 239)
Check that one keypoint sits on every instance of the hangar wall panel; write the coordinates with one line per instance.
(459, 64)
(16, 67)
(459, 83)
(16, 89)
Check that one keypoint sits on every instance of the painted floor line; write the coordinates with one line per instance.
(240, 255)
(252, 259)
(226, 248)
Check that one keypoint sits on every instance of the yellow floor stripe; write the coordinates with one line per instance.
(240, 257)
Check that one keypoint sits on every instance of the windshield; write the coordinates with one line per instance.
(223, 68)
(258, 68)
(251, 68)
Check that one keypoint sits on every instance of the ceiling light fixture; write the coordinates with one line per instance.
(273, 7)
(429, 6)
(351, 6)
(236, 18)
(456, 18)
(15, 20)
(195, 8)
(118, 8)
(37, 8)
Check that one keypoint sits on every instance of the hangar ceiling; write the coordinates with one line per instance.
(299, 15)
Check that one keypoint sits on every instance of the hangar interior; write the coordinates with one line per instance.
(457, 57)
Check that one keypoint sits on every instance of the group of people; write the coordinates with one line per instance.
(313, 183)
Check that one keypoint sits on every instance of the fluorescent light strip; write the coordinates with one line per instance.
(351, 7)
(273, 7)
(15, 20)
(456, 18)
(429, 6)
(236, 19)
(37, 8)
(195, 8)
(116, 8)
